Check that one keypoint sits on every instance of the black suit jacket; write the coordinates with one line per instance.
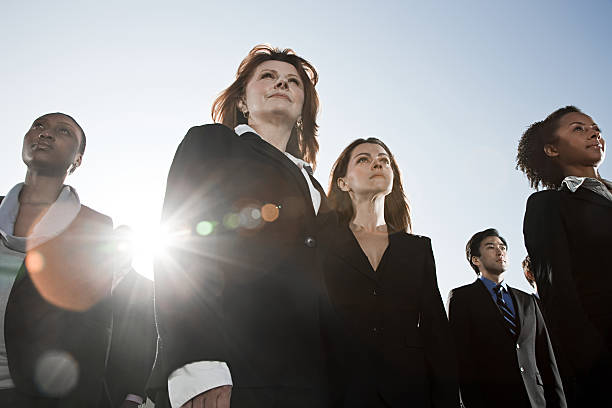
(57, 321)
(568, 237)
(133, 340)
(494, 370)
(397, 346)
(241, 281)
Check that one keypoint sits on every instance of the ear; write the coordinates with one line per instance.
(551, 150)
(342, 185)
(242, 104)
(76, 163)
(476, 260)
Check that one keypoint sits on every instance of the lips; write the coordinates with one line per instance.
(41, 146)
(280, 95)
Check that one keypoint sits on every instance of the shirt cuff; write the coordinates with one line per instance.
(134, 398)
(193, 379)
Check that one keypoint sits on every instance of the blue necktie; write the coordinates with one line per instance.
(507, 314)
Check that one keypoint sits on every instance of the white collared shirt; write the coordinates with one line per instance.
(193, 379)
(598, 187)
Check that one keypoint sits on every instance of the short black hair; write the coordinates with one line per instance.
(473, 246)
(531, 159)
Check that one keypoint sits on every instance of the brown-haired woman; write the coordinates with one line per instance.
(396, 350)
(239, 285)
(568, 233)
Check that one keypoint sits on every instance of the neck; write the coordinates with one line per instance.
(277, 133)
(582, 171)
(40, 189)
(492, 277)
(369, 213)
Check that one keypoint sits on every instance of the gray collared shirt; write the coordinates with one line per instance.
(602, 187)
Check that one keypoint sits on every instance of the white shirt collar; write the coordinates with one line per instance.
(243, 128)
(574, 182)
(57, 218)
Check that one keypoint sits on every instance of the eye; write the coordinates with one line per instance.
(295, 81)
(385, 160)
(362, 159)
(266, 75)
(37, 125)
(65, 131)
(578, 129)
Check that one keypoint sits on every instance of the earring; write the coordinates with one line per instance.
(72, 168)
(299, 124)
(245, 113)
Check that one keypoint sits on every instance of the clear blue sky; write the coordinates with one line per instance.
(450, 86)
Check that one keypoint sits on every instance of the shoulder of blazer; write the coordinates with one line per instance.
(463, 291)
(90, 216)
(521, 296)
(409, 238)
(543, 199)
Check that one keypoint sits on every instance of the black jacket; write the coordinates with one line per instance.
(568, 237)
(240, 282)
(494, 370)
(397, 346)
(57, 321)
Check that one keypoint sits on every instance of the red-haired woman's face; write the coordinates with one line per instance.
(579, 142)
(274, 92)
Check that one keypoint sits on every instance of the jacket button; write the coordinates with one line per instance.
(310, 242)
(522, 370)
(374, 292)
(518, 346)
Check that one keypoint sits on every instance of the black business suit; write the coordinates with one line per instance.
(568, 237)
(133, 340)
(396, 350)
(494, 369)
(34, 327)
(248, 291)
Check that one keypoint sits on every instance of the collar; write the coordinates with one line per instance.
(574, 182)
(57, 218)
(490, 284)
(243, 128)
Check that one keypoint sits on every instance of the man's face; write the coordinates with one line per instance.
(52, 144)
(493, 256)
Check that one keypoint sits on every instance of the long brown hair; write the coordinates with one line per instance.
(397, 209)
(303, 140)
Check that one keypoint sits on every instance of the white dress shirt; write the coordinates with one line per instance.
(193, 379)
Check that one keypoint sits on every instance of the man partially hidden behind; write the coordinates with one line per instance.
(504, 352)
(55, 277)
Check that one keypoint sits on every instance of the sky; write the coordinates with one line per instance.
(449, 86)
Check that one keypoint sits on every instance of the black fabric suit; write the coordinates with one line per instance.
(494, 370)
(397, 350)
(248, 291)
(77, 265)
(568, 237)
(133, 340)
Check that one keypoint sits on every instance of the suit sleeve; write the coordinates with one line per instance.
(188, 276)
(459, 319)
(547, 364)
(437, 338)
(546, 239)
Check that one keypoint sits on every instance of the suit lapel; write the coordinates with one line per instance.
(347, 248)
(519, 309)
(265, 148)
(491, 306)
(588, 195)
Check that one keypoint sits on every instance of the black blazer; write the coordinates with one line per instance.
(77, 272)
(240, 282)
(397, 346)
(568, 237)
(494, 370)
(133, 340)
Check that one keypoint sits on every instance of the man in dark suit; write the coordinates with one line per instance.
(504, 352)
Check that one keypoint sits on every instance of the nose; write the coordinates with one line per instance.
(596, 134)
(45, 134)
(281, 83)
